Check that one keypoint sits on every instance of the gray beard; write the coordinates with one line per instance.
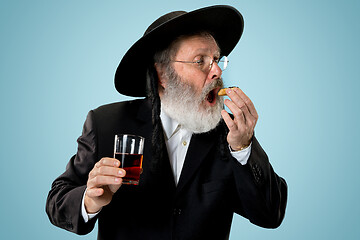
(181, 102)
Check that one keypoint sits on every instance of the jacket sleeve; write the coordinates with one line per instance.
(63, 205)
(262, 194)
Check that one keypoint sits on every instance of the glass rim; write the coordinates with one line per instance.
(130, 135)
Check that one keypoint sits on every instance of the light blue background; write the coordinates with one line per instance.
(297, 60)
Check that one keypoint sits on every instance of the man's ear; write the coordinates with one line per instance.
(160, 74)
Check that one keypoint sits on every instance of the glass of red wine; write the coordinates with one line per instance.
(128, 149)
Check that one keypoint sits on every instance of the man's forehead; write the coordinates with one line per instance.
(198, 44)
(211, 51)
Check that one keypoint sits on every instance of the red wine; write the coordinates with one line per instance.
(132, 164)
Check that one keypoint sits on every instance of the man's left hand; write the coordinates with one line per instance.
(241, 128)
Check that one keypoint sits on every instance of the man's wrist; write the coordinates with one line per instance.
(240, 148)
(242, 156)
(90, 207)
(84, 212)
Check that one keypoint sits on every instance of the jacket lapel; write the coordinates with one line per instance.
(199, 148)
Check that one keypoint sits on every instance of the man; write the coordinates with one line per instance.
(201, 164)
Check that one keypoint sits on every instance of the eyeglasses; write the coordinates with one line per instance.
(205, 63)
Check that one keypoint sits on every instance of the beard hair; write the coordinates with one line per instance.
(182, 103)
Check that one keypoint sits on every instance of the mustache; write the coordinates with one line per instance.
(211, 86)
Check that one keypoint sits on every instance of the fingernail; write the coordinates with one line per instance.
(117, 179)
(121, 172)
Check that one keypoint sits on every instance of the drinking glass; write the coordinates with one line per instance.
(128, 149)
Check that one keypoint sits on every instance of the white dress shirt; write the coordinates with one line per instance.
(177, 141)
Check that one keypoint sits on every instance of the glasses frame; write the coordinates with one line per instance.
(223, 59)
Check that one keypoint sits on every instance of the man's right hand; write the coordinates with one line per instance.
(104, 180)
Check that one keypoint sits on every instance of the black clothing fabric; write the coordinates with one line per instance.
(210, 190)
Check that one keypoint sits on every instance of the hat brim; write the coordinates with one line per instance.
(224, 22)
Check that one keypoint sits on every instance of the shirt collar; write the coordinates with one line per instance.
(170, 126)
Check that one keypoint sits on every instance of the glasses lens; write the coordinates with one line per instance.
(209, 62)
(223, 63)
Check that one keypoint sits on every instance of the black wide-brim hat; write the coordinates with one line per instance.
(225, 23)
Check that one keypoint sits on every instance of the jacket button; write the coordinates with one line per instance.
(177, 211)
(69, 225)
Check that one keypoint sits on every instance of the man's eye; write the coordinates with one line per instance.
(200, 61)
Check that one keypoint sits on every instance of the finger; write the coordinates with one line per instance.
(108, 162)
(110, 171)
(246, 117)
(100, 180)
(107, 171)
(239, 117)
(114, 188)
(250, 119)
(94, 192)
(247, 101)
(235, 97)
(239, 102)
(228, 121)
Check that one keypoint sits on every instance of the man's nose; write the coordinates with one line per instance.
(215, 71)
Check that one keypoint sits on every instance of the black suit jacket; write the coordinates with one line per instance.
(211, 188)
